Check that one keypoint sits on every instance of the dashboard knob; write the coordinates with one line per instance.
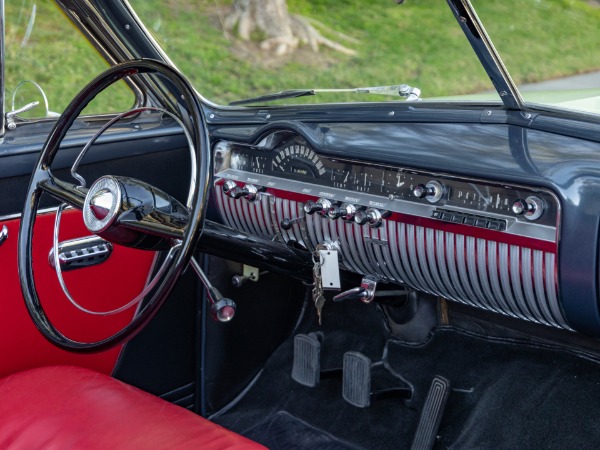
(321, 206)
(251, 191)
(348, 211)
(532, 207)
(334, 212)
(431, 191)
(372, 216)
(231, 189)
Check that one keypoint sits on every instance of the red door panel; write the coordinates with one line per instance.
(102, 287)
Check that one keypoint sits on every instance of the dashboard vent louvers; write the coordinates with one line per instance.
(512, 280)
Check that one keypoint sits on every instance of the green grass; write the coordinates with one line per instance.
(418, 43)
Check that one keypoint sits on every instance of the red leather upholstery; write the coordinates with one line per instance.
(65, 407)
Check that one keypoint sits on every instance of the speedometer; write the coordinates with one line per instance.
(299, 160)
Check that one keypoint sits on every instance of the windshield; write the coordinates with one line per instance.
(550, 48)
(235, 50)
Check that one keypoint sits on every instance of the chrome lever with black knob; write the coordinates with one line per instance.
(287, 224)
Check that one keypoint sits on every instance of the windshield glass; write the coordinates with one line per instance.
(550, 48)
(234, 50)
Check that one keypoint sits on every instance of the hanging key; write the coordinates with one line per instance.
(317, 291)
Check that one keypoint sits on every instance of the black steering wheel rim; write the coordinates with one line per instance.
(187, 97)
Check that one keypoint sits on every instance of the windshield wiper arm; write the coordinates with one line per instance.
(402, 90)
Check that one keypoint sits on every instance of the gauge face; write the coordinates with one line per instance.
(240, 161)
(299, 160)
(258, 164)
(483, 198)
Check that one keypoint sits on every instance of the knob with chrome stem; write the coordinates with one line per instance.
(321, 206)
(249, 191)
(372, 216)
(345, 211)
(532, 207)
(222, 309)
(231, 189)
(432, 191)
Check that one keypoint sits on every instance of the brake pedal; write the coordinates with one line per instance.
(431, 416)
(306, 368)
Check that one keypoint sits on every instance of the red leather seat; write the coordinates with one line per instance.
(66, 407)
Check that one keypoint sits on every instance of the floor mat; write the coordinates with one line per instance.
(505, 393)
(282, 431)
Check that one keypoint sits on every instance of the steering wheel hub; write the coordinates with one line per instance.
(101, 204)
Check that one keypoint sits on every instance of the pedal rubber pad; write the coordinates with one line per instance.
(306, 368)
(357, 379)
(431, 416)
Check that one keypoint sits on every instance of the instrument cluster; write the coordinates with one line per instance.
(293, 159)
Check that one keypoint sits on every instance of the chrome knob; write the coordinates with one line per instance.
(532, 207)
(321, 206)
(348, 211)
(251, 191)
(231, 189)
(372, 216)
(431, 191)
(334, 212)
(223, 310)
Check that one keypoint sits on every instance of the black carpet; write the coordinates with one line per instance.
(505, 393)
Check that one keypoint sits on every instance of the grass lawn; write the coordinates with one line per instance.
(418, 43)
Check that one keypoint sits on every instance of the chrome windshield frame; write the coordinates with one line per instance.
(469, 22)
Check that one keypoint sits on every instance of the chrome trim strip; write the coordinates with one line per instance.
(461, 260)
(484, 280)
(552, 289)
(440, 258)
(429, 253)
(492, 263)
(527, 283)
(538, 284)
(506, 281)
(451, 259)
(517, 282)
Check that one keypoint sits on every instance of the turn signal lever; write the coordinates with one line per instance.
(365, 293)
(222, 309)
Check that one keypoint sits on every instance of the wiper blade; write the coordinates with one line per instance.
(290, 93)
(402, 90)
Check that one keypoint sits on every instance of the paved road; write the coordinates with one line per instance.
(584, 81)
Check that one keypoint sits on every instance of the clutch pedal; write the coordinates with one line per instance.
(306, 368)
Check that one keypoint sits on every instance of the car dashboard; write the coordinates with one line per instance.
(475, 229)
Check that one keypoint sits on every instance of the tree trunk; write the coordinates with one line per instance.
(281, 32)
(269, 17)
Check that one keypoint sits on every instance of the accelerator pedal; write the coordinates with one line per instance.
(431, 416)
(306, 368)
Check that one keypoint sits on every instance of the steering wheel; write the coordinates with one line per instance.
(122, 210)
